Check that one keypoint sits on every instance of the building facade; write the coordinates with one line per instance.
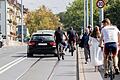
(2, 17)
(10, 18)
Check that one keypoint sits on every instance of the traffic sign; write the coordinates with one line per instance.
(100, 3)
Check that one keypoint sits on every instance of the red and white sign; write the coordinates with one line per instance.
(100, 3)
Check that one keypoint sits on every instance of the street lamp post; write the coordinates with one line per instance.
(22, 36)
(84, 16)
(91, 13)
(87, 16)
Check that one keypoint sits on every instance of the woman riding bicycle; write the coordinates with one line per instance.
(109, 36)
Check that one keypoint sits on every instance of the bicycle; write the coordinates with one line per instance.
(71, 48)
(110, 65)
(60, 53)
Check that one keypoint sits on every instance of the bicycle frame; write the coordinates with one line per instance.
(71, 48)
(60, 51)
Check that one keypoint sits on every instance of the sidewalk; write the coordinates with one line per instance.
(65, 69)
(14, 43)
(86, 71)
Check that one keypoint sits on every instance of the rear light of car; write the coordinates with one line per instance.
(52, 43)
(31, 43)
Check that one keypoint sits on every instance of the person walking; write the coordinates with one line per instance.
(85, 39)
(95, 51)
(110, 36)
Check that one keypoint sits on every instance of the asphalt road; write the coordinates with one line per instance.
(14, 65)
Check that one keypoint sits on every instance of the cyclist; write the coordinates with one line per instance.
(59, 33)
(109, 36)
(72, 36)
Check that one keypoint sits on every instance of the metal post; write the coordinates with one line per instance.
(87, 16)
(84, 16)
(22, 35)
(101, 15)
(6, 41)
(91, 13)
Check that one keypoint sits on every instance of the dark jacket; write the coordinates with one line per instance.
(84, 40)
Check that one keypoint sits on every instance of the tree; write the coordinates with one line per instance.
(113, 12)
(41, 18)
(73, 16)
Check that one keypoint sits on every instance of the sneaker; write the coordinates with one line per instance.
(105, 75)
(65, 49)
(116, 71)
(64, 52)
(86, 62)
(74, 48)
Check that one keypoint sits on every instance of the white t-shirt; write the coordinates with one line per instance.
(110, 34)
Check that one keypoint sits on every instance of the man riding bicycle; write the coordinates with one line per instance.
(110, 38)
(59, 37)
(72, 36)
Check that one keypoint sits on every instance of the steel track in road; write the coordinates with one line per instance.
(52, 72)
(49, 76)
(28, 69)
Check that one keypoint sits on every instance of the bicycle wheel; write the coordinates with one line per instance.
(61, 52)
(58, 52)
(110, 66)
(72, 49)
(111, 74)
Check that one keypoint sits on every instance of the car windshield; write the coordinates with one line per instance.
(42, 37)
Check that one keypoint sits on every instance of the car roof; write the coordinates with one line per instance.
(44, 32)
(42, 35)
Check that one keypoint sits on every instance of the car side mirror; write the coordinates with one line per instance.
(28, 39)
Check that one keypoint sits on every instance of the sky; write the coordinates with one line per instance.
(55, 6)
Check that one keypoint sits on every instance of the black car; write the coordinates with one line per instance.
(41, 44)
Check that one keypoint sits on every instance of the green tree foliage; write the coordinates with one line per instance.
(74, 15)
(113, 12)
(41, 18)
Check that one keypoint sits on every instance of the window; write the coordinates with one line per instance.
(42, 37)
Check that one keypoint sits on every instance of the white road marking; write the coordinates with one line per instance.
(11, 64)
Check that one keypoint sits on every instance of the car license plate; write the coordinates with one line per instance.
(42, 44)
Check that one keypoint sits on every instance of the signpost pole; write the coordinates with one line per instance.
(101, 16)
(100, 4)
